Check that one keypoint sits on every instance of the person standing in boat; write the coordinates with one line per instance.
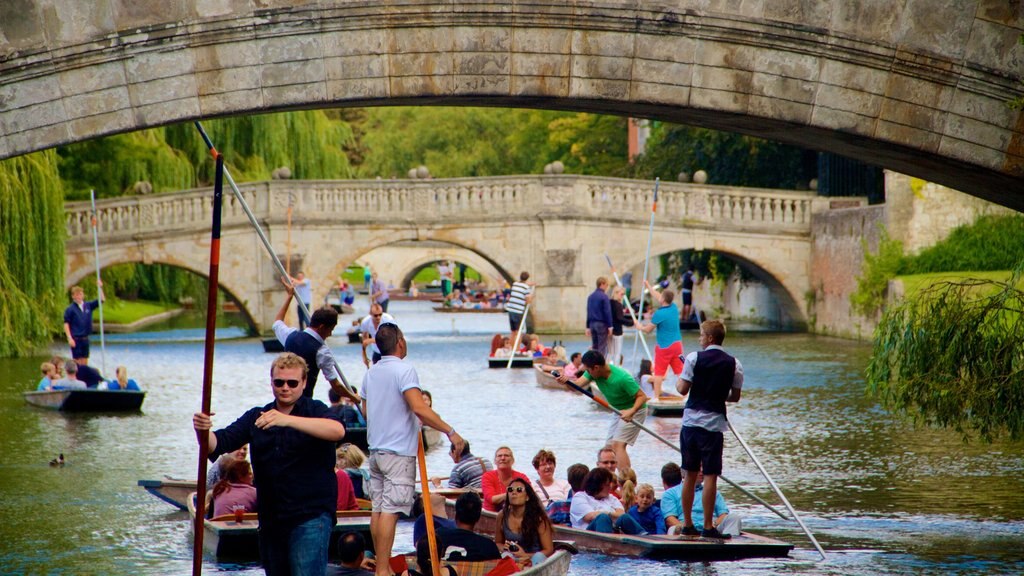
(619, 319)
(379, 293)
(368, 328)
(668, 352)
(519, 296)
(310, 344)
(687, 285)
(78, 321)
(599, 317)
(712, 377)
(623, 393)
(444, 271)
(292, 445)
(394, 409)
(304, 292)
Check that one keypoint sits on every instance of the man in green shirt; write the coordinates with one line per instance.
(623, 393)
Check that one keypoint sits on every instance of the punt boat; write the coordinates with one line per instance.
(517, 361)
(225, 538)
(556, 565)
(667, 405)
(746, 545)
(546, 380)
(272, 345)
(87, 400)
(174, 491)
(456, 310)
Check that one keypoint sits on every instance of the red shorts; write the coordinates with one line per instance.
(666, 357)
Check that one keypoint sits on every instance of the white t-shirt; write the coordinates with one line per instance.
(583, 504)
(304, 292)
(559, 490)
(367, 327)
(390, 423)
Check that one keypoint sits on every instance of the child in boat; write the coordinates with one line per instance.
(644, 378)
(49, 376)
(626, 479)
(645, 512)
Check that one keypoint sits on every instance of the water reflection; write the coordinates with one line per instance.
(882, 497)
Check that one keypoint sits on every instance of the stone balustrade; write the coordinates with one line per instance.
(450, 201)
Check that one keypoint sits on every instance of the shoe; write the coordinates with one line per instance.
(714, 533)
(690, 531)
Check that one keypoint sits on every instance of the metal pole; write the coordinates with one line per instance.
(519, 334)
(99, 281)
(629, 306)
(778, 491)
(211, 329)
(604, 403)
(647, 262)
(263, 238)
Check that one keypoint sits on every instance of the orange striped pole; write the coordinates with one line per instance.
(435, 563)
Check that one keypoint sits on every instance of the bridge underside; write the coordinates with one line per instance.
(919, 87)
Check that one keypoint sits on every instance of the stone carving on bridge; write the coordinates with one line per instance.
(563, 268)
(557, 195)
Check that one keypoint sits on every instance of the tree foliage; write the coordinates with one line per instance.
(954, 357)
(989, 243)
(728, 158)
(31, 252)
(877, 270)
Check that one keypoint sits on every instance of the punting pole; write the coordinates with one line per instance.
(519, 334)
(778, 491)
(428, 510)
(263, 238)
(211, 329)
(604, 403)
(647, 262)
(99, 281)
(629, 306)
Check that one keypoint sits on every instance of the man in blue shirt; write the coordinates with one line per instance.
(78, 321)
(599, 317)
(292, 446)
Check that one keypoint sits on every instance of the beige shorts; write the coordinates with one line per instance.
(392, 482)
(627, 432)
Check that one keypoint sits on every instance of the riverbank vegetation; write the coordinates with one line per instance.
(951, 352)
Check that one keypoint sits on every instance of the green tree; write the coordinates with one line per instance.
(31, 252)
(954, 357)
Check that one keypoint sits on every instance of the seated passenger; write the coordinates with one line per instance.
(351, 459)
(71, 381)
(342, 410)
(346, 493)
(549, 488)
(49, 376)
(595, 509)
(496, 343)
(234, 490)
(220, 467)
(122, 381)
(558, 510)
(495, 482)
(459, 543)
(419, 527)
(352, 556)
(468, 470)
(505, 350)
(626, 480)
(646, 512)
(522, 527)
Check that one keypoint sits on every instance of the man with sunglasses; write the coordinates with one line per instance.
(310, 344)
(292, 449)
(368, 328)
(394, 408)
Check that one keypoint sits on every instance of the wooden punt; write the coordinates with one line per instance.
(667, 405)
(174, 491)
(517, 361)
(87, 400)
(355, 337)
(556, 565)
(455, 310)
(225, 538)
(272, 345)
(546, 380)
(746, 545)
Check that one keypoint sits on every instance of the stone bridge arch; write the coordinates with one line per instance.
(919, 87)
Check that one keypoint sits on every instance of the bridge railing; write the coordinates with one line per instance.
(447, 201)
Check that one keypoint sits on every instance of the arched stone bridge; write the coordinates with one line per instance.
(557, 227)
(918, 86)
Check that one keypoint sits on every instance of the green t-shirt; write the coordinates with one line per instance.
(619, 388)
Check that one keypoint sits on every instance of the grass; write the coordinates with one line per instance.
(128, 311)
(913, 284)
(354, 276)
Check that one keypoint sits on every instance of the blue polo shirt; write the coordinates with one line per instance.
(80, 319)
(666, 319)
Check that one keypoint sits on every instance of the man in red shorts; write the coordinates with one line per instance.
(669, 350)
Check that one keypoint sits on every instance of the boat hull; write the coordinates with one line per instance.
(453, 310)
(556, 565)
(517, 362)
(172, 491)
(272, 345)
(746, 545)
(87, 400)
(667, 405)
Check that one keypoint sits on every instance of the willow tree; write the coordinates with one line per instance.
(953, 357)
(31, 252)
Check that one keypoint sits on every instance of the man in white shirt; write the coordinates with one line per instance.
(304, 292)
(394, 408)
(368, 328)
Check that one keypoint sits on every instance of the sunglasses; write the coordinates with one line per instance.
(376, 315)
(516, 489)
(279, 382)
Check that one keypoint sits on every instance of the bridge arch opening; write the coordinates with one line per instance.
(111, 269)
(729, 284)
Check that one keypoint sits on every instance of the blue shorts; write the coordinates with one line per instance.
(81, 347)
(702, 450)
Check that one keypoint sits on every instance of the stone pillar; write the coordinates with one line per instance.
(559, 303)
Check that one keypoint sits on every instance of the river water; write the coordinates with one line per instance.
(881, 496)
